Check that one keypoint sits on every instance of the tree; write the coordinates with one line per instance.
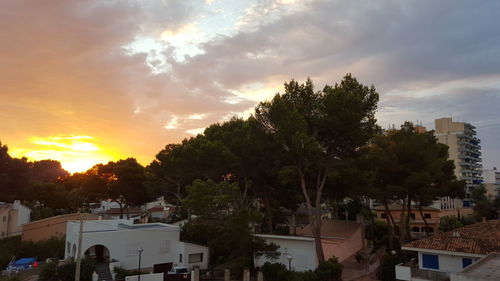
(125, 183)
(317, 131)
(410, 166)
(222, 224)
(48, 171)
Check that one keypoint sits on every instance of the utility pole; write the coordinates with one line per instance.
(79, 252)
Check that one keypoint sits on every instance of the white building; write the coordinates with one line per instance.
(120, 240)
(445, 254)
(339, 239)
(486, 269)
(12, 217)
(491, 182)
(299, 249)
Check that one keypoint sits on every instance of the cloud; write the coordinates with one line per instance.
(101, 68)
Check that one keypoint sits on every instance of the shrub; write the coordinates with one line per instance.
(66, 272)
(329, 270)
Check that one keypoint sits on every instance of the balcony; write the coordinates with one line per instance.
(409, 271)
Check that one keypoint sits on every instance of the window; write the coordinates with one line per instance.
(383, 215)
(430, 261)
(68, 247)
(466, 262)
(427, 216)
(3, 234)
(180, 258)
(415, 229)
(412, 216)
(193, 258)
(4, 218)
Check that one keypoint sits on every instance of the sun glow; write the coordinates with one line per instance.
(76, 153)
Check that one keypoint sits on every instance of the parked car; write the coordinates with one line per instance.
(179, 270)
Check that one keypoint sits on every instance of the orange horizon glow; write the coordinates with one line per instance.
(75, 153)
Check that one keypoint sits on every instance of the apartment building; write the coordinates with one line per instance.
(464, 150)
(491, 178)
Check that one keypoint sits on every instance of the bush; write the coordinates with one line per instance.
(66, 272)
(13, 246)
(329, 270)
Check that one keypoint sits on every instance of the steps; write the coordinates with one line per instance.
(102, 270)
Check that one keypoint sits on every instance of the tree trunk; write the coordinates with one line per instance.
(269, 213)
(390, 221)
(423, 218)
(121, 209)
(408, 216)
(402, 221)
(314, 223)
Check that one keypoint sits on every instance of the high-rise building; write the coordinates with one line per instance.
(464, 150)
(491, 179)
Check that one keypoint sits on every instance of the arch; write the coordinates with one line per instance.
(98, 252)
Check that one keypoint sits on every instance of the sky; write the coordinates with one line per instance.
(89, 81)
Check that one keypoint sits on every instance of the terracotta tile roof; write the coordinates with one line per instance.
(156, 209)
(332, 228)
(480, 238)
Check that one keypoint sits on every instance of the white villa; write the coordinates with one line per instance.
(447, 254)
(119, 241)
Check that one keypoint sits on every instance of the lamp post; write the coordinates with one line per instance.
(289, 258)
(140, 254)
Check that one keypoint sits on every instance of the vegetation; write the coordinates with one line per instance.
(410, 166)
(52, 272)
(329, 270)
(13, 246)
(304, 147)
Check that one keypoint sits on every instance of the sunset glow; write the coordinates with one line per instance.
(76, 153)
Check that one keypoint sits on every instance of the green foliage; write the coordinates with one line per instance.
(329, 270)
(13, 246)
(66, 272)
(387, 271)
(448, 223)
(222, 224)
(484, 208)
(120, 273)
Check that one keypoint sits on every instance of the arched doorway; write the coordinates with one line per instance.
(98, 252)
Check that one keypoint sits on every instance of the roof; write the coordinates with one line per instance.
(116, 211)
(302, 211)
(487, 268)
(397, 207)
(332, 229)
(71, 216)
(156, 209)
(479, 238)
(284, 237)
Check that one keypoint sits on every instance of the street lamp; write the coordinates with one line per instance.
(289, 258)
(140, 254)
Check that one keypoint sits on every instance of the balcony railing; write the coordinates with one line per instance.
(410, 271)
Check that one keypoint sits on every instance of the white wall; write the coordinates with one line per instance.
(23, 215)
(146, 277)
(447, 263)
(190, 248)
(160, 244)
(302, 251)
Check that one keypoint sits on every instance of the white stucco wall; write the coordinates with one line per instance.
(23, 215)
(447, 262)
(160, 244)
(301, 249)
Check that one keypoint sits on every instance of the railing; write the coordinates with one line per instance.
(410, 271)
(429, 274)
